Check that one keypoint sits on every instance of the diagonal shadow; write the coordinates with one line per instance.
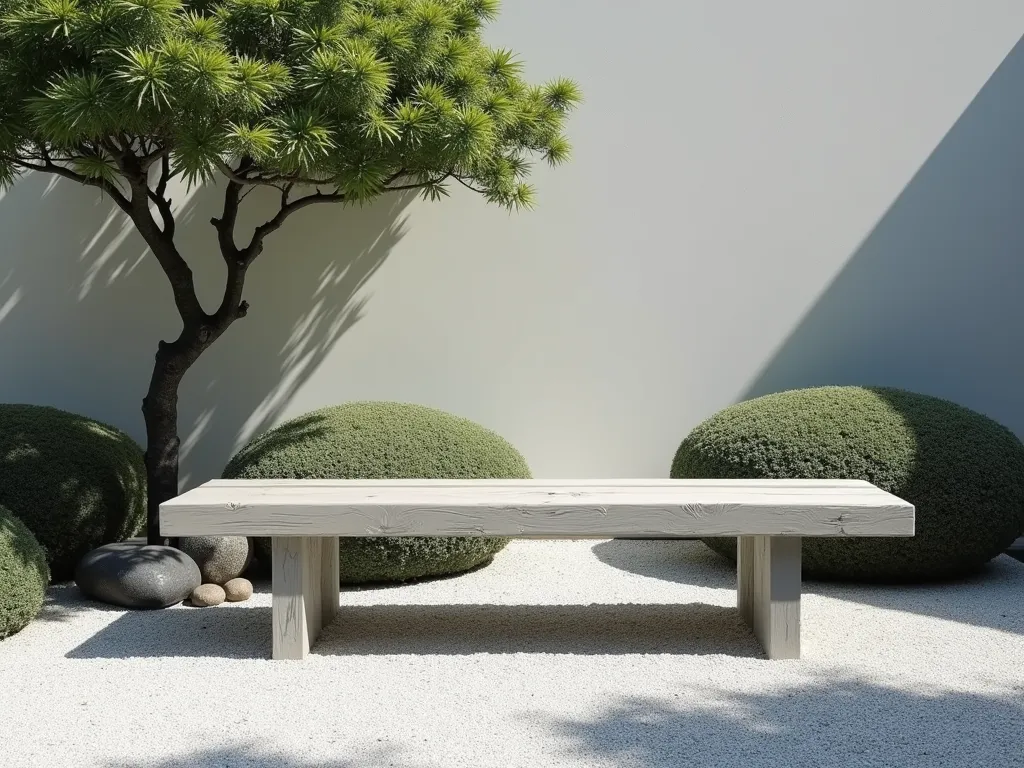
(930, 300)
(988, 599)
(830, 721)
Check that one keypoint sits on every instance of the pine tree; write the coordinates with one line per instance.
(326, 101)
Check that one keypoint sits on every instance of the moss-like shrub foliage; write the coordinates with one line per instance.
(378, 440)
(23, 575)
(963, 472)
(76, 483)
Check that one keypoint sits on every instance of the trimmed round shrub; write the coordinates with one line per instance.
(23, 575)
(379, 440)
(75, 482)
(963, 472)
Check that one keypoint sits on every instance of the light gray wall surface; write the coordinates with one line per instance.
(763, 196)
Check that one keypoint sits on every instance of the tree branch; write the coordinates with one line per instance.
(468, 186)
(255, 246)
(165, 174)
(231, 305)
(49, 166)
(405, 187)
(163, 154)
(234, 174)
(162, 203)
(225, 223)
(161, 241)
(137, 207)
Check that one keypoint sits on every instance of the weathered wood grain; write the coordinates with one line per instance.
(297, 603)
(768, 577)
(538, 509)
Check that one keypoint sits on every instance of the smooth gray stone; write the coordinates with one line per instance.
(137, 575)
(1016, 549)
(220, 558)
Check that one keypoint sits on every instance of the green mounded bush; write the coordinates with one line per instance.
(75, 482)
(23, 575)
(963, 472)
(380, 440)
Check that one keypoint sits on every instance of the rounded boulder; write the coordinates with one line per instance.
(136, 575)
(382, 440)
(962, 471)
(220, 558)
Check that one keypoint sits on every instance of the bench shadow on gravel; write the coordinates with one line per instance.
(241, 631)
(977, 600)
(253, 756)
(244, 630)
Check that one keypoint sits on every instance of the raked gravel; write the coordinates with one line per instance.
(559, 653)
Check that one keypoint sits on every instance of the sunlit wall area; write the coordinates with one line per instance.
(762, 196)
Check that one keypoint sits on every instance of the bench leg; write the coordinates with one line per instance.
(330, 574)
(768, 573)
(297, 589)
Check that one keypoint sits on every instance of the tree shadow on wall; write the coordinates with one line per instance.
(930, 300)
(83, 304)
(304, 296)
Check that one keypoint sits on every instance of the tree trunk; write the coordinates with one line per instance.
(160, 410)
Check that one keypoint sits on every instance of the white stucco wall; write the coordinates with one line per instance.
(763, 196)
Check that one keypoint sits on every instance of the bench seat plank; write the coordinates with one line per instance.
(538, 509)
(306, 517)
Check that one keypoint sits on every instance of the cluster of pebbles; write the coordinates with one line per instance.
(221, 561)
(233, 591)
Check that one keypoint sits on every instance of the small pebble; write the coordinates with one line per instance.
(208, 594)
(238, 590)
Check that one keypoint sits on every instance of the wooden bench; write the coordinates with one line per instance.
(306, 517)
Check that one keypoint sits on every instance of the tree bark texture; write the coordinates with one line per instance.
(160, 411)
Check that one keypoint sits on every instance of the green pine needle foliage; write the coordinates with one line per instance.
(354, 96)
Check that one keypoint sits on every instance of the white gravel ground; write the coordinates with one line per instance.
(560, 653)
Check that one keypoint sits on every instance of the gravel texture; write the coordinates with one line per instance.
(560, 653)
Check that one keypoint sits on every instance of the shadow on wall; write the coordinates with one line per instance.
(942, 270)
(830, 719)
(75, 276)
